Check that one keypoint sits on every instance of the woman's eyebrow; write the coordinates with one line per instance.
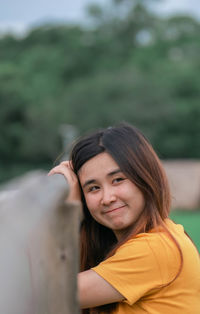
(88, 182)
(114, 172)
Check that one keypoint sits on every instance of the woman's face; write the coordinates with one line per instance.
(112, 199)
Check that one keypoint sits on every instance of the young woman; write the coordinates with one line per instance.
(134, 259)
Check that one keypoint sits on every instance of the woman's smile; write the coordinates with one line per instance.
(116, 208)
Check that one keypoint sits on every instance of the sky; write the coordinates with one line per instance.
(20, 15)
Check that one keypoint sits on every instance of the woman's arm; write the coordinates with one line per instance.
(94, 291)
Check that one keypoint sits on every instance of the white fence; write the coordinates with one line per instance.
(39, 247)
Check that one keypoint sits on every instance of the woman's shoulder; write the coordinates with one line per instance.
(156, 244)
(155, 235)
(158, 240)
(150, 253)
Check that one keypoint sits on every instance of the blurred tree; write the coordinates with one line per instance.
(125, 64)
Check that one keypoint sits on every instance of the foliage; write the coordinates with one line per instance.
(127, 64)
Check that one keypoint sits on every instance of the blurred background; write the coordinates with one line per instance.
(69, 67)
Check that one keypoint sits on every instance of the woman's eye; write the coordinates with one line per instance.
(118, 180)
(93, 188)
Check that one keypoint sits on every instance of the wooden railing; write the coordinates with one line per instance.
(38, 247)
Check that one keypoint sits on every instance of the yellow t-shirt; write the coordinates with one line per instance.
(141, 266)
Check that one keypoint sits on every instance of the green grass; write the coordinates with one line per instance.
(191, 223)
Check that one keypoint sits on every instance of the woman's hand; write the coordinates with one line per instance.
(65, 168)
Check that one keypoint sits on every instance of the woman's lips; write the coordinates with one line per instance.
(114, 209)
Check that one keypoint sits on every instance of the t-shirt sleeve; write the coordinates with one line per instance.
(134, 270)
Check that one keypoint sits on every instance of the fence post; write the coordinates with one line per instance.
(39, 257)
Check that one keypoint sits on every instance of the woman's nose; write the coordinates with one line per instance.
(108, 196)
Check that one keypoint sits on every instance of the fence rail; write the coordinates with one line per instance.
(39, 247)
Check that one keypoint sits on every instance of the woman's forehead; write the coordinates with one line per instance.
(101, 164)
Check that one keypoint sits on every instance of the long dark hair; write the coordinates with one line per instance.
(139, 162)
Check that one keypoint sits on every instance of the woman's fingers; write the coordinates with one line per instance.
(67, 163)
(65, 169)
(62, 168)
